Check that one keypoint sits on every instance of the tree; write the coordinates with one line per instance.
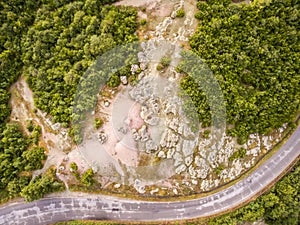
(87, 178)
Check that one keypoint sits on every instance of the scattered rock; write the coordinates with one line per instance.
(170, 153)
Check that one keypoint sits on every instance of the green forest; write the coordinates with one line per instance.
(51, 43)
(253, 51)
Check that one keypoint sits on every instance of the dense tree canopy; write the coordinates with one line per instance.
(253, 51)
(64, 42)
(15, 18)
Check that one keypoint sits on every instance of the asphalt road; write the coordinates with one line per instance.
(50, 210)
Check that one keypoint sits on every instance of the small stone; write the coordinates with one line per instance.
(170, 153)
(106, 103)
(66, 159)
(143, 133)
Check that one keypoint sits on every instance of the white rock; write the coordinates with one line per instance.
(170, 153)
(192, 171)
(188, 160)
(150, 146)
(175, 191)
(102, 137)
(124, 80)
(188, 147)
(194, 182)
(117, 185)
(161, 154)
(180, 169)
(143, 133)
(154, 191)
(135, 135)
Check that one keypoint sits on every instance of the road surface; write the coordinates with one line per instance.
(100, 207)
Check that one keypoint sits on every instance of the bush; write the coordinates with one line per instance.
(30, 126)
(206, 133)
(159, 67)
(87, 178)
(98, 123)
(180, 13)
(143, 22)
(114, 81)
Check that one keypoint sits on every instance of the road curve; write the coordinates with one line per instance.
(99, 207)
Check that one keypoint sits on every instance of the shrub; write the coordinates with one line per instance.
(143, 22)
(180, 13)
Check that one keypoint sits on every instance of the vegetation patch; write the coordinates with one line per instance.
(253, 51)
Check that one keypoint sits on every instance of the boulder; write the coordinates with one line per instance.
(180, 169)
(124, 80)
(134, 68)
(188, 147)
(102, 137)
(151, 146)
(161, 155)
(170, 153)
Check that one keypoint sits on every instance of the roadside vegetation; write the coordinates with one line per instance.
(253, 51)
(19, 156)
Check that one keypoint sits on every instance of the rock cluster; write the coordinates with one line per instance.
(102, 137)
(177, 141)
